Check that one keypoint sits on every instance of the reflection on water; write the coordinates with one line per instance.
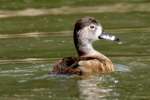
(121, 68)
(91, 89)
(100, 87)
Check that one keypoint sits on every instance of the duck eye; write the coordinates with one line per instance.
(92, 27)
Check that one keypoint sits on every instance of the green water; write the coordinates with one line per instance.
(26, 58)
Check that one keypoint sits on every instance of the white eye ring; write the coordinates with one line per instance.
(92, 27)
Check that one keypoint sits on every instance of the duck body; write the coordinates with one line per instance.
(89, 61)
(83, 66)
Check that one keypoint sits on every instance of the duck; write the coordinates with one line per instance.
(89, 61)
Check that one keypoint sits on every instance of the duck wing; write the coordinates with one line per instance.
(67, 65)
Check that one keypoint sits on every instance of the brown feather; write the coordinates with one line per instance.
(82, 65)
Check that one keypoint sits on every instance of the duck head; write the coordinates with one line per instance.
(86, 31)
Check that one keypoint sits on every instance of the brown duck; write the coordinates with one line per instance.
(89, 61)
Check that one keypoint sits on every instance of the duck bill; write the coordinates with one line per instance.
(108, 36)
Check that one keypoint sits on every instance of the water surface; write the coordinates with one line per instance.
(29, 45)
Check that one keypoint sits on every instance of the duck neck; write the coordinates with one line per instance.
(84, 47)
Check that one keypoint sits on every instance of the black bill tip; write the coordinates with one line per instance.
(118, 40)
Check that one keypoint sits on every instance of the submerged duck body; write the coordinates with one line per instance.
(89, 61)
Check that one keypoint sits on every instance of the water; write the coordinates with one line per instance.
(28, 78)
(29, 45)
(31, 81)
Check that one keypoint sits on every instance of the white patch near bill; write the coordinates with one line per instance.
(107, 37)
(98, 31)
